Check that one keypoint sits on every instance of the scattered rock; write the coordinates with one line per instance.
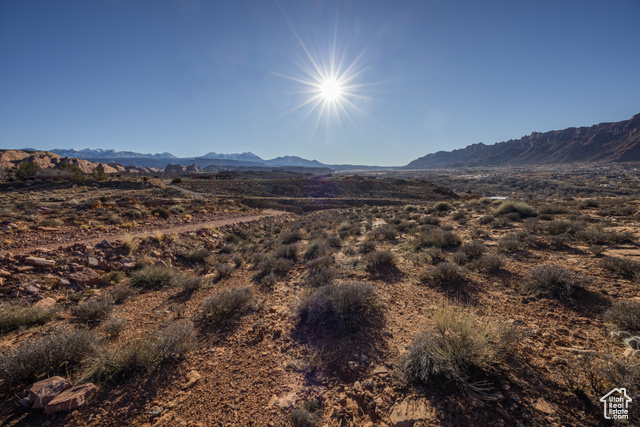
(31, 289)
(45, 303)
(85, 277)
(381, 371)
(92, 262)
(70, 399)
(40, 262)
(409, 412)
(26, 402)
(105, 244)
(64, 282)
(43, 392)
(155, 411)
(4, 273)
(192, 377)
(160, 263)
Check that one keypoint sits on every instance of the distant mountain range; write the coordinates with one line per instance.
(604, 142)
(221, 160)
(88, 153)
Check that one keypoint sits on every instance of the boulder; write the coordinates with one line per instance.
(70, 399)
(410, 412)
(85, 277)
(45, 303)
(192, 379)
(40, 262)
(43, 392)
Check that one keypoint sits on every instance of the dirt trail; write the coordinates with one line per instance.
(176, 229)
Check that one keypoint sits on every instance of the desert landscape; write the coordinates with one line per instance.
(308, 300)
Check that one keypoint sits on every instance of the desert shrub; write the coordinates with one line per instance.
(152, 276)
(176, 210)
(316, 249)
(445, 272)
(334, 241)
(551, 210)
(135, 213)
(291, 236)
(120, 294)
(307, 415)
(271, 267)
(488, 263)
(161, 212)
(621, 267)
(625, 315)
(596, 250)
(176, 181)
(367, 246)
(94, 310)
(486, 219)
(191, 284)
(112, 278)
(58, 352)
(224, 308)
(287, 252)
(510, 243)
(224, 270)
(430, 220)
(114, 327)
(473, 250)
(379, 260)
(462, 350)
(14, 316)
(115, 362)
(383, 232)
(435, 238)
(237, 260)
(320, 277)
(176, 340)
(522, 209)
(320, 263)
(129, 244)
(443, 206)
(550, 281)
(231, 238)
(227, 249)
(340, 308)
(196, 256)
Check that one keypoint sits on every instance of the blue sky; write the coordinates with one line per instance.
(190, 77)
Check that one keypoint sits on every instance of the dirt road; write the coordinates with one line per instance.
(166, 230)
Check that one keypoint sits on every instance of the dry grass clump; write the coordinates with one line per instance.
(114, 327)
(14, 316)
(550, 281)
(340, 308)
(152, 276)
(462, 350)
(143, 354)
(437, 238)
(442, 206)
(224, 308)
(625, 315)
(94, 310)
(50, 354)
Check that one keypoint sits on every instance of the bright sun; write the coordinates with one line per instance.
(331, 90)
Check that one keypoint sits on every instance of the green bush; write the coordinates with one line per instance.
(224, 308)
(340, 308)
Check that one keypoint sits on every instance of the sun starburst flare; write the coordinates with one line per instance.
(329, 84)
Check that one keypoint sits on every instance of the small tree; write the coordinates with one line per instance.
(99, 174)
(77, 172)
(26, 170)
